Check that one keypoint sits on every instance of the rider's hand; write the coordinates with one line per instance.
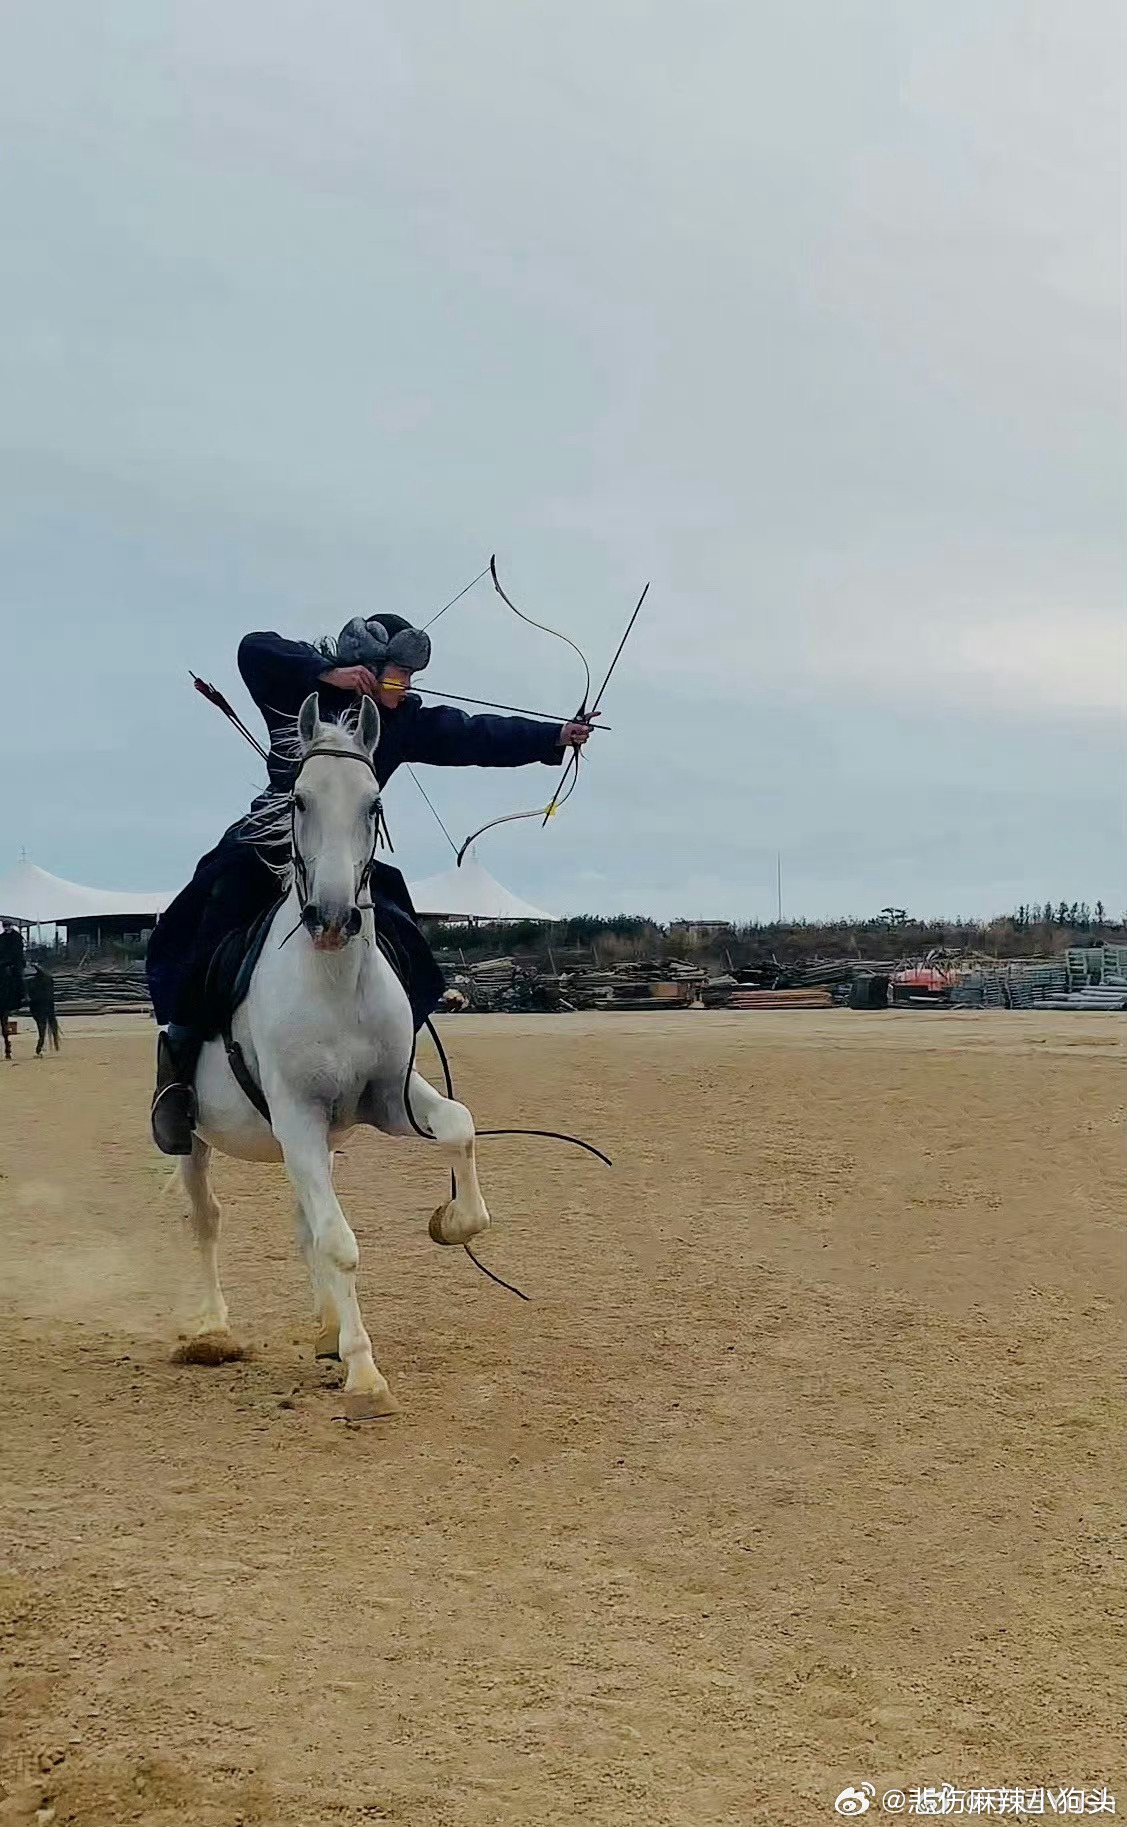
(574, 735)
(352, 678)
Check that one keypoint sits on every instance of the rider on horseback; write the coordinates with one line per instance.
(11, 977)
(235, 883)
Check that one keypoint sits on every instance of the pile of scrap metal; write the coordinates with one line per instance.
(509, 985)
(502, 986)
(100, 989)
(819, 984)
(1107, 998)
(1035, 984)
(834, 973)
(668, 984)
(922, 986)
(743, 998)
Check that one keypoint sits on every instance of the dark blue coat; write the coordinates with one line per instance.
(232, 884)
(280, 674)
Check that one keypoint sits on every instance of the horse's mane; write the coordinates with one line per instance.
(268, 827)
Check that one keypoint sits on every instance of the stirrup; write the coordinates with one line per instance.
(172, 1119)
(173, 1113)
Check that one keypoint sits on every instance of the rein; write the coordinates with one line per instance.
(553, 1135)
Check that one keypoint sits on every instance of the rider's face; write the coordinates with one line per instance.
(394, 681)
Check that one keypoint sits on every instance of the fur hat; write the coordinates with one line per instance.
(386, 640)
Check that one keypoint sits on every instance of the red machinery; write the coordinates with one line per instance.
(922, 986)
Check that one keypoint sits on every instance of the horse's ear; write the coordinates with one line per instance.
(368, 728)
(308, 718)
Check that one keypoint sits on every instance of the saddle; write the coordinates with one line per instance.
(225, 988)
(228, 975)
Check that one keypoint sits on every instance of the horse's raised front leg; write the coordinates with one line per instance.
(452, 1127)
(211, 1342)
(328, 1322)
(303, 1135)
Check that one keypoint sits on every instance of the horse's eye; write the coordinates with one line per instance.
(298, 803)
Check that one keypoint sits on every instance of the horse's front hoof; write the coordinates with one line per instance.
(369, 1404)
(210, 1348)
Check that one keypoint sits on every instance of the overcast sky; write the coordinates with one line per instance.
(807, 310)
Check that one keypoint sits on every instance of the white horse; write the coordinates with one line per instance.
(327, 1032)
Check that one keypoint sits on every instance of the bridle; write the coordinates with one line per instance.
(300, 870)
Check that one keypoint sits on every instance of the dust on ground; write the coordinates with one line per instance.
(802, 1469)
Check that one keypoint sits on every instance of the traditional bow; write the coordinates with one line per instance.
(569, 778)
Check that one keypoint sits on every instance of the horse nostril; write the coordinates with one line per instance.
(330, 925)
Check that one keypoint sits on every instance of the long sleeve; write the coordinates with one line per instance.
(280, 674)
(448, 738)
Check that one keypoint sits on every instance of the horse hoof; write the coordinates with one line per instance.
(452, 1224)
(210, 1348)
(434, 1228)
(369, 1404)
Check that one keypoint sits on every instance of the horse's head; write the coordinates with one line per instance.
(336, 806)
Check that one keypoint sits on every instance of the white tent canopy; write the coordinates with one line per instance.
(470, 893)
(33, 897)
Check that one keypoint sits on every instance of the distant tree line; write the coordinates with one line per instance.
(1031, 931)
(1075, 914)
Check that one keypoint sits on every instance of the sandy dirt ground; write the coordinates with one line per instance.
(802, 1469)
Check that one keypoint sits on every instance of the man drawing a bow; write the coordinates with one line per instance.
(235, 882)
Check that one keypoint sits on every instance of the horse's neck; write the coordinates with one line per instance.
(358, 971)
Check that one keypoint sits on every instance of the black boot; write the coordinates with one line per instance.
(173, 1116)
